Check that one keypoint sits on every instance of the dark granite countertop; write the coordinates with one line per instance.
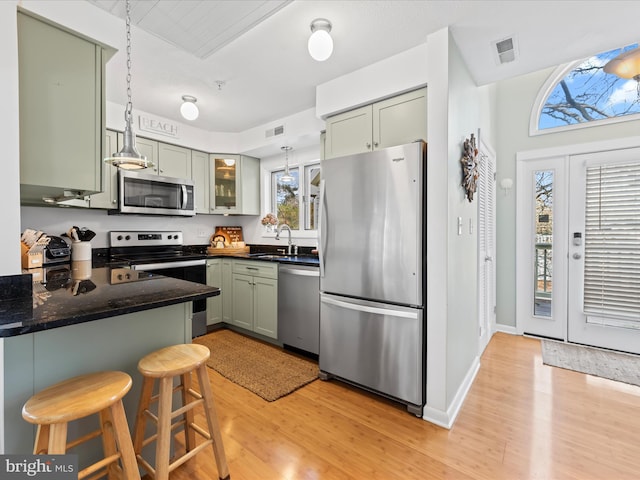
(311, 260)
(266, 253)
(52, 298)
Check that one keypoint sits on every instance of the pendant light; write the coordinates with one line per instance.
(128, 157)
(320, 43)
(626, 65)
(287, 177)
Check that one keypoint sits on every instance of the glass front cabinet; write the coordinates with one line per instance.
(224, 183)
(234, 184)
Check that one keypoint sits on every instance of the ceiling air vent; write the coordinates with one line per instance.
(505, 50)
(274, 132)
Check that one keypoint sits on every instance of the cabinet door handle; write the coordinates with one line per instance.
(368, 146)
(252, 268)
(375, 144)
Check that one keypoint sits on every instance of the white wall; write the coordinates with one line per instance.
(188, 136)
(515, 101)
(456, 108)
(469, 111)
(9, 133)
(394, 75)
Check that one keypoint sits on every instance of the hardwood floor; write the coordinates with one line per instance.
(521, 420)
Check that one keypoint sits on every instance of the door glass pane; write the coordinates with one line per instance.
(543, 281)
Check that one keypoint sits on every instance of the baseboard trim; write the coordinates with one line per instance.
(506, 329)
(447, 419)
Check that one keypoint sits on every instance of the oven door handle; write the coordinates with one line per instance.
(166, 265)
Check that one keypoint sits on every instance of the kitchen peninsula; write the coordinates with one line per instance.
(94, 319)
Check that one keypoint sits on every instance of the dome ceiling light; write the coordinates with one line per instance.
(189, 109)
(320, 42)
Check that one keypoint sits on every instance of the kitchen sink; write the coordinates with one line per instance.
(276, 256)
(281, 257)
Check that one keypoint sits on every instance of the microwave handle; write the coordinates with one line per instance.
(184, 196)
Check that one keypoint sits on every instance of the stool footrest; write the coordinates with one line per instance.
(201, 431)
(144, 464)
(98, 465)
(189, 455)
(84, 438)
(150, 439)
(186, 408)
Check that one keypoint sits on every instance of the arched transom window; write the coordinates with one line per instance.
(582, 94)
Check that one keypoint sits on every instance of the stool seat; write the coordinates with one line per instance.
(163, 366)
(173, 360)
(76, 398)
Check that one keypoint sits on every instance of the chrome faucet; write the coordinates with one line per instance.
(280, 227)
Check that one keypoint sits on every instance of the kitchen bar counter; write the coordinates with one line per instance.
(52, 298)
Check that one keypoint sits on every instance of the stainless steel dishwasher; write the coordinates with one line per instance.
(299, 307)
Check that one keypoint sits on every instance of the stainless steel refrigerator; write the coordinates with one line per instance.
(372, 272)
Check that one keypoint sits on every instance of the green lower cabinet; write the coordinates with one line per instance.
(243, 304)
(255, 297)
(214, 279)
(265, 300)
(227, 290)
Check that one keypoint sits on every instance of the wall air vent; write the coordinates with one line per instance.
(505, 50)
(274, 132)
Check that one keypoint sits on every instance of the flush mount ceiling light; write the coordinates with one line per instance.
(189, 109)
(128, 157)
(287, 177)
(320, 42)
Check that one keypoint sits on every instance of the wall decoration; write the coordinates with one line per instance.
(469, 163)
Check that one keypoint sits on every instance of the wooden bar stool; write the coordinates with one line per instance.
(164, 365)
(95, 393)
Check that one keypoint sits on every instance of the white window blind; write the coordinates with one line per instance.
(612, 244)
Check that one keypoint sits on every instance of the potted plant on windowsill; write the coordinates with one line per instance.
(269, 221)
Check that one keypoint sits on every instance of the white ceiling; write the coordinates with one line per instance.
(258, 48)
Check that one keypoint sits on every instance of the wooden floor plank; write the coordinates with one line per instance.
(521, 420)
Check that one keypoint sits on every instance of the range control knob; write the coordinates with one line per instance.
(119, 237)
(128, 237)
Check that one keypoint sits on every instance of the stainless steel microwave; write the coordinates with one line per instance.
(146, 193)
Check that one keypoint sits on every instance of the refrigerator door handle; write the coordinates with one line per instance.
(322, 230)
(366, 308)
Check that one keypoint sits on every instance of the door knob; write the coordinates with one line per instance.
(577, 256)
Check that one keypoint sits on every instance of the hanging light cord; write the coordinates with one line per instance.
(127, 112)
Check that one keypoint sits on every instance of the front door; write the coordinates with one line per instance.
(604, 250)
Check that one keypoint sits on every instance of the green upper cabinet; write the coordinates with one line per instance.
(349, 133)
(147, 147)
(108, 198)
(234, 186)
(394, 121)
(200, 177)
(173, 161)
(61, 81)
